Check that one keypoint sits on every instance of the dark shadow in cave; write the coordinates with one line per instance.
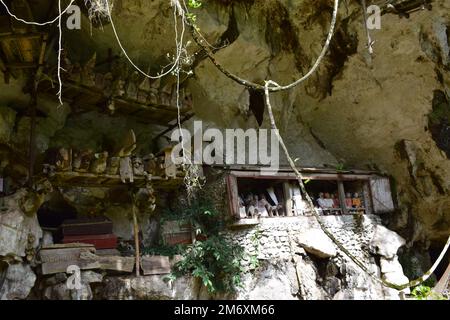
(53, 212)
(257, 105)
(434, 251)
(439, 121)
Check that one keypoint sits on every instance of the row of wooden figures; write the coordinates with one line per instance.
(330, 201)
(124, 82)
(257, 206)
(254, 206)
(65, 160)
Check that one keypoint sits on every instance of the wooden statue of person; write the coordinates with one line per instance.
(348, 200)
(356, 201)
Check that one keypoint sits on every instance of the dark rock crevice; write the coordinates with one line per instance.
(439, 121)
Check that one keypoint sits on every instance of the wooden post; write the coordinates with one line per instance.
(366, 196)
(342, 197)
(32, 138)
(288, 203)
(136, 239)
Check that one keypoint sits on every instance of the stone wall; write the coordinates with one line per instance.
(275, 238)
(292, 258)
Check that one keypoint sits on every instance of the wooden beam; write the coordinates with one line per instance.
(341, 195)
(292, 176)
(136, 239)
(22, 36)
(22, 65)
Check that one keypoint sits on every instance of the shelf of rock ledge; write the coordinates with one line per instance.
(86, 179)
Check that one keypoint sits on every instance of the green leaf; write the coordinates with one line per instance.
(195, 4)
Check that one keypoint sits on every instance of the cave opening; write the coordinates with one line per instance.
(53, 213)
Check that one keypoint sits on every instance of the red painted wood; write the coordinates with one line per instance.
(100, 241)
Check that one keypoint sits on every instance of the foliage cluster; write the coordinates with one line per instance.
(215, 259)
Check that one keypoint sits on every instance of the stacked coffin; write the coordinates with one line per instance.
(96, 231)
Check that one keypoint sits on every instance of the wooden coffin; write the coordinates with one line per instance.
(87, 226)
(174, 233)
(155, 265)
(173, 239)
(100, 241)
(56, 258)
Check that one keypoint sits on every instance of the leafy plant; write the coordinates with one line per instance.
(216, 261)
(424, 292)
(195, 4)
(421, 292)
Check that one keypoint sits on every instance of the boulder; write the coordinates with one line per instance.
(18, 282)
(393, 272)
(91, 277)
(316, 242)
(385, 242)
(271, 281)
(56, 287)
(309, 289)
(390, 265)
(61, 292)
(18, 231)
(148, 288)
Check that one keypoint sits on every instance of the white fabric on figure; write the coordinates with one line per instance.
(242, 213)
(272, 195)
(299, 205)
(322, 203)
(262, 208)
(329, 203)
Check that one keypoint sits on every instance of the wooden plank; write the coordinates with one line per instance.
(288, 196)
(380, 190)
(366, 196)
(116, 263)
(107, 252)
(292, 176)
(233, 194)
(64, 254)
(341, 196)
(152, 265)
(86, 260)
(67, 245)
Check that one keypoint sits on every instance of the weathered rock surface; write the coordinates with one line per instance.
(393, 272)
(148, 288)
(385, 242)
(271, 281)
(7, 120)
(18, 281)
(317, 243)
(18, 231)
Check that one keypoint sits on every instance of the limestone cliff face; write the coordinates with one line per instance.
(359, 110)
(387, 111)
